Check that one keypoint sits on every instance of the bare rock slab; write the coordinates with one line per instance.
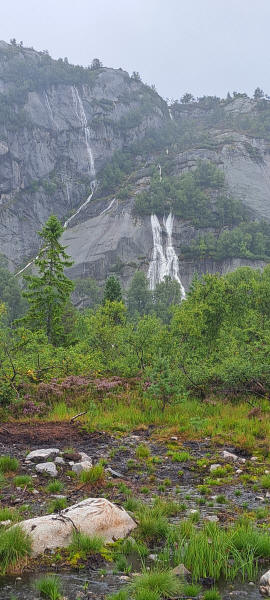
(265, 584)
(93, 516)
(42, 454)
(48, 468)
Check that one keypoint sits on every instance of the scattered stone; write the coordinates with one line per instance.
(35, 492)
(59, 460)
(58, 496)
(260, 498)
(85, 457)
(181, 571)
(251, 583)
(42, 453)
(266, 472)
(254, 458)
(212, 518)
(6, 523)
(81, 466)
(47, 467)
(93, 516)
(153, 556)
(174, 438)
(229, 455)
(113, 473)
(192, 511)
(239, 471)
(264, 585)
(214, 467)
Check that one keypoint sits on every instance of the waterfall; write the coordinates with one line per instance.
(171, 115)
(80, 113)
(93, 185)
(164, 262)
(49, 109)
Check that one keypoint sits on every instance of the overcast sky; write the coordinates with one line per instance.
(201, 46)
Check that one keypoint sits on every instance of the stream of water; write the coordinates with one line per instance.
(164, 262)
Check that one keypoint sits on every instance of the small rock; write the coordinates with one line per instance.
(81, 466)
(251, 583)
(260, 498)
(42, 453)
(113, 473)
(85, 457)
(58, 496)
(59, 460)
(239, 471)
(242, 460)
(192, 511)
(212, 518)
(174, 438)
(254, 458)
(47, 467)
(214, 467)
(6, 523)
(35, 492)
(229, 455)
(181, 571)
(266, 472)
(153, 556)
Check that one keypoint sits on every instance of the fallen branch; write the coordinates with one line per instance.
(77, 416)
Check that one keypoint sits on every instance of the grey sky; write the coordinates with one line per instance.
(202, 46)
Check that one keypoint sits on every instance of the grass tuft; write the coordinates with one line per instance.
(15, 545)
(49, 587)
(23, 481)
(8, 464)
(54, 487)
(94, 475)
(85, 544)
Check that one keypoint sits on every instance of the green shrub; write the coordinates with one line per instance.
(15, 545)
(94, 475)
(8, 514)
(191, 590)
(50, 587)
(7, 464)
(265, 481)
(153, 527)
(181, 456)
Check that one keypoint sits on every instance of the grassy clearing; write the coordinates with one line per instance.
(8, 464)
(191, 418)
(15, 547)
(49, 587)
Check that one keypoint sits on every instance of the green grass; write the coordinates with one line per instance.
(265, 481)
(15, 547)
(180, 456)
(85, 544)
(23, 481)
(162, 583)
(143, 452)
(191, 590)
(8, 514)
(94, 475)
(8, 464)
(168, 508)
(152, 525)
(57, 504)
(54, 487)
(218, 552)
(49, 587)
(212, 594)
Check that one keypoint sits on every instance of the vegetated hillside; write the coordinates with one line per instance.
(64, 127)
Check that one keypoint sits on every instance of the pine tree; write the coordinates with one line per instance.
(49, 292)
(112, 290)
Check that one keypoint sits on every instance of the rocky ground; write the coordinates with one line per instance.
(136, 465)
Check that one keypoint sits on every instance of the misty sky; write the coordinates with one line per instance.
(201, 46)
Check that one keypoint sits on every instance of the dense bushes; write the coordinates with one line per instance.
(198, 196)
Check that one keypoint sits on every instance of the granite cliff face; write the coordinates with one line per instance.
(61, 125)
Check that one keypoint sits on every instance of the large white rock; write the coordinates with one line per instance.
(93, 516)
(48, 467)
(42, 454)
(265, 584)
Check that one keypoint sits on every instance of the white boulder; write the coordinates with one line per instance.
(264, 585)
(93, 516)
(42, 454)
(48, 467)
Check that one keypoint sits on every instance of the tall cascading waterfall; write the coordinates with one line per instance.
(80, 113)
(164, 262)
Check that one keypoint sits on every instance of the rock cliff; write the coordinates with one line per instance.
(61, 127)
